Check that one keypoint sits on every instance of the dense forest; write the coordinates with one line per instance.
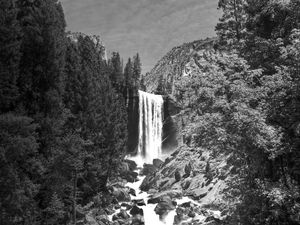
(63, 122)
(64, 119)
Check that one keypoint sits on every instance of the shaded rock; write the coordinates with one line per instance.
(109, 210)
(186, 204)
(121, 194)
(128, 175)
(148, 169)
(138, 220)
(132, 192)
(164, 206)
(136, 211)
(192, 214)
(188, 169)
(126, 205)
(123, 214)
(131, 164)
(139, 202)
(160, 196)
(177, 176)
(157, 163)
(186, 184)
(117, 206)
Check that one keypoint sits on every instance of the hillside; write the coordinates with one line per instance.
(178, 62)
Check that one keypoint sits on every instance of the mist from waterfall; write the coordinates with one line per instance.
(150, 126)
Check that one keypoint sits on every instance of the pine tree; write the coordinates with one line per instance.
(128, 73)
(117, 75)
(10, 41)
(137, 70)
(231, 26)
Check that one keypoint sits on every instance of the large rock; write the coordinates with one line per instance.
(121, 215)
(138, 220)
(136, 211)
(148, 169)
(128, 175)
(121, 194)
(165, 205)
(139, 202)
(157, 163)
(131, 164)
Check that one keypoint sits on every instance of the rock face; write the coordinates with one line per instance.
(193, 181)
(180, 61)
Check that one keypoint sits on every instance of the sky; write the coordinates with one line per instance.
(149, 27)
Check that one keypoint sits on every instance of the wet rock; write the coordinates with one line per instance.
(109, 210)
(164, 206)
(130, 176)
(136, 211)
(126, 205)
(188, 169)
(157, 163)
(186, 205)
(131, 164)
(121, 194)
(117, 206)
(177, 176)
(148, 169)
(132, 192)
(138, 220)
(186, 184)
(172, 194)
(192, 214)
(123, 215)
(139, 202)
(114, 201)
(102, 218)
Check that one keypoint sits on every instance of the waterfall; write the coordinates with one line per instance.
(150, 126)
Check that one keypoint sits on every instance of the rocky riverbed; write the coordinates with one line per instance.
(187, 188)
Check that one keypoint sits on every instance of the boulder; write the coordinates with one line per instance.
(160, 196)
(138, 220)
(157, 163)
(148, 169)
(164, 206)
(177, 176)
(126, 205)
(136, 211)
(132, 192)
(188, 169)
(139, 202)
(121, 194)
(128, 175)
(117, 206)
(131, 164)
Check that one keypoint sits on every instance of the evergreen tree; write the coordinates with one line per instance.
(231, 26)
(117, 75)
(137, 69)
(128, 73)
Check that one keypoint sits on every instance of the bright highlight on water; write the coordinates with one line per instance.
(150, 126)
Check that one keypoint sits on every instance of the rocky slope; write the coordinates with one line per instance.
(190, 171)
(179, 62)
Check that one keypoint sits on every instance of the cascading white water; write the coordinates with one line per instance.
(150, 126)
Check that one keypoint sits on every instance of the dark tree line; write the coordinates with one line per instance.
(63, 123)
